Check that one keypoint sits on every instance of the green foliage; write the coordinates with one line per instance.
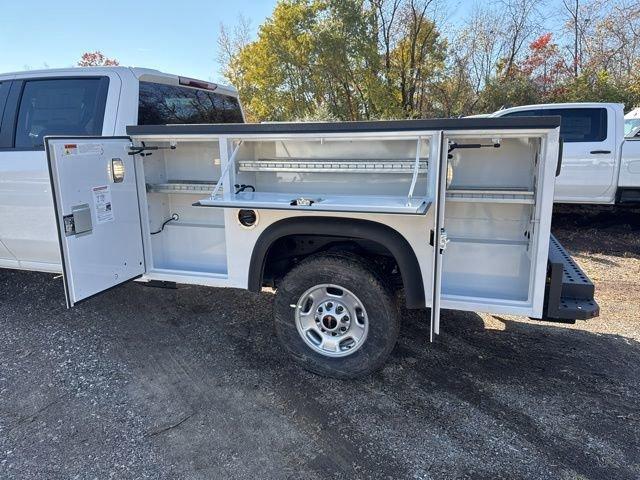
(598, 86)
(321, 59)
(515, 90)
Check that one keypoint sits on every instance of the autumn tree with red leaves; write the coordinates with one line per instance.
(96, 59)
(544, 65)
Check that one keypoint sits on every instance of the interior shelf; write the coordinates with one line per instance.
(502, 195)
(183, 187)
(488, 241)
(332, 165)
(332, 203)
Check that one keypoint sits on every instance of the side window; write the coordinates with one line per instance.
(577, 124)
(67, 106)
(162, 104)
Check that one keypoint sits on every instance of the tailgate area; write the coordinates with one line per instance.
(569, 294)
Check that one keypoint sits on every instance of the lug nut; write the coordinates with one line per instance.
(317, 319)
(329, 305)
(333, 334)
(345, 319)
(320, 309)
(343, 329)
(339, 309)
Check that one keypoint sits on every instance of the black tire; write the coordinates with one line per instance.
(359, 277)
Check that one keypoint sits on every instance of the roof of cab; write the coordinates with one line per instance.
(138, 72)
(499, 113)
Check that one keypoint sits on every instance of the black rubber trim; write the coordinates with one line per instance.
(67, 293)
(343, 227)
(560, 151)
(10, 115)
(628, 196)
(5, 87)
(487, 123)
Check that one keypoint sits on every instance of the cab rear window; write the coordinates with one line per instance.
(162, 104)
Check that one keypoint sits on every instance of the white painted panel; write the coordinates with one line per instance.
(630, 167)
(111, 252)
(487, 220)
(510, 165)
(190, 247)
(489, 270)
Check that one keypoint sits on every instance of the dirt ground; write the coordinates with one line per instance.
(190, 383)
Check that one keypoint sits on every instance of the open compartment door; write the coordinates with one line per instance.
(95, 194)
(438, 238)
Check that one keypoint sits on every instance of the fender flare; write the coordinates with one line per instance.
(386, 236)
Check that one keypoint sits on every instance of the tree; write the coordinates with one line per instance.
(339, 59)
(545, 67)
(96, 59)
(367, 59)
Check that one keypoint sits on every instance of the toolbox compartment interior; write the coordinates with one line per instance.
(489, 218)
(195, 242)
(491, 200)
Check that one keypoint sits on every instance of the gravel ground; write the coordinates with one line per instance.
(190, 383)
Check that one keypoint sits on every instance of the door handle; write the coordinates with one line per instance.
(599, 152)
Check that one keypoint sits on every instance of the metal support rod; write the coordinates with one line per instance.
(230, 162)
(416, 167)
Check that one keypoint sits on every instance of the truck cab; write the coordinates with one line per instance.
(92, 101)
(592, 135)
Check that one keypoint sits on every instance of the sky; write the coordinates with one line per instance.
(177, 36)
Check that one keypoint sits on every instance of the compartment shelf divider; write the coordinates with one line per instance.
(488, 241)
(506, 195)
(332, 165)
(195, 187)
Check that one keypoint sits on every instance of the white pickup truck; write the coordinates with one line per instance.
(80, 101)
(599, 164)
(336, 217)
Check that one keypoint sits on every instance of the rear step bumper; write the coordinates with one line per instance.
(569, 292)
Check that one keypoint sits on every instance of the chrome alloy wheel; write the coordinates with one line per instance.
(331, 320)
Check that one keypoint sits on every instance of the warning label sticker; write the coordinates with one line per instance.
(102, 202)
(70, 149)
(83, 149)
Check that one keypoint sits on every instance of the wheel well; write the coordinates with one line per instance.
(285, 243)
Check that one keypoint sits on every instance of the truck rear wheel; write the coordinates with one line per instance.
(335, 316)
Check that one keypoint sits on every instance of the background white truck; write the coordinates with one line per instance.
(80, 101)
(599, 164)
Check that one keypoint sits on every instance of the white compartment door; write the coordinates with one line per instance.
(438, 234)
(94, 187)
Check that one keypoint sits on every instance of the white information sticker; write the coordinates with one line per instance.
(102, 202)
